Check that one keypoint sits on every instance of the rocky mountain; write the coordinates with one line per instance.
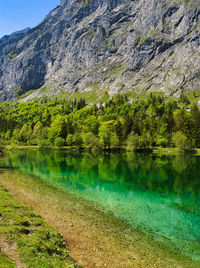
(14, 37)
(112, 45)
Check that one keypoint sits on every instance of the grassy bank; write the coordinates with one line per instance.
(175, 151)
(26, 240)
(157, 150)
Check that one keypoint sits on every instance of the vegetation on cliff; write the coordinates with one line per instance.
(115, 45)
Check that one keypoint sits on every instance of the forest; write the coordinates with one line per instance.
(119, 123)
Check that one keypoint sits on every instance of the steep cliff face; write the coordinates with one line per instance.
(110, 45)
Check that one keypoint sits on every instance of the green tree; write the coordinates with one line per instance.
(195, 125)
(77, 139)
(162, 141)
(44, 143)
(37, 132)
(133, 142)
(37, 129)
(15, 136)
(105, 133)
(181, 141)
(90, 141)
(69, 140)
(92, 124)
(2, 147)
(114, 140)
(57, 129)
(25, 134)
(180, 120)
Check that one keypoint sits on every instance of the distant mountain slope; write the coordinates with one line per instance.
(8, 39)
(118, 46)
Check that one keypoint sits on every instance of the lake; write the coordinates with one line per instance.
(155, 194)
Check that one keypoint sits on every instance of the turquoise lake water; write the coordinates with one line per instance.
(156, 194)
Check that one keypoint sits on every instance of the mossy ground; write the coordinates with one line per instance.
(26, 240)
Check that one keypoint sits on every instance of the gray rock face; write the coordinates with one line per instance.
(120, 46)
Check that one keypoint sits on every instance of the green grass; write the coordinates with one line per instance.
(94, 95)
(5, 261)
(28, 93)
(115, 71)
(35, 242)
(12, 57)
(142, 40)
(142, 96)
(193, 97)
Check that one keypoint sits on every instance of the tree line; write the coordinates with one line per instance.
(118, 123)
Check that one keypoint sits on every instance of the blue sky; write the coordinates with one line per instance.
(16, 15)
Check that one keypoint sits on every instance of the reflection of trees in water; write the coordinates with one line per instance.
(165, 174)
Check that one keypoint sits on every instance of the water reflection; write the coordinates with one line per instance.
(165, 174)
(155, 193)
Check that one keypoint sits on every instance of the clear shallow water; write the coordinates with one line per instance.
(159, 195)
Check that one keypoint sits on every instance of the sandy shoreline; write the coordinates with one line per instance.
(94, 238)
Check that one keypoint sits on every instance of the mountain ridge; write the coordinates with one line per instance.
(117, 46)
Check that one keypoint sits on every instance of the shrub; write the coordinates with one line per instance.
(161, 141)
(43, 143)
(59, 142)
